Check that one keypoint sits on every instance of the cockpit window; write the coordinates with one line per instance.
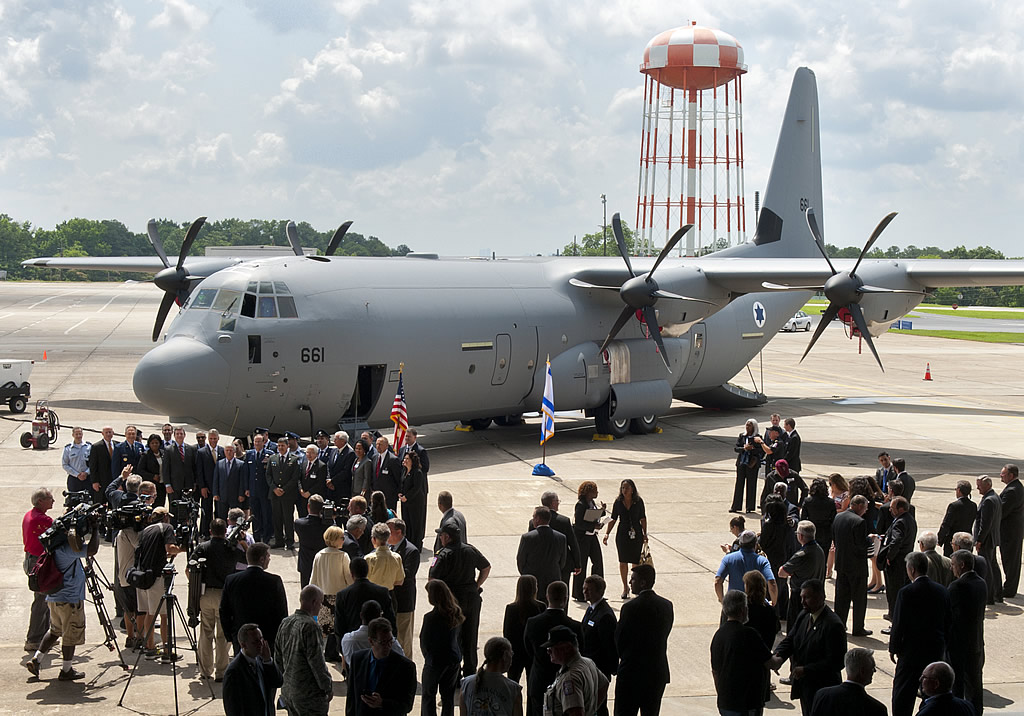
(249, 305)
(205, 298)
(267, 287)
(267, 308)
(286, 307)
(252, 286)
(227, 301)
(281, 287)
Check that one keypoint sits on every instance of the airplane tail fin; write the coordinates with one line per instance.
(794, 183)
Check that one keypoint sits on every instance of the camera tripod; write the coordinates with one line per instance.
(95, 583)
(167, 609)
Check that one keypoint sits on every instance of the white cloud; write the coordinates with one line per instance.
(180, 15)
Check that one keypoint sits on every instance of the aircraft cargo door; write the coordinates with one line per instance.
(698, 338)
(502, 358)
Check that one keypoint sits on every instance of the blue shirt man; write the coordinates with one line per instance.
(76, 462)
(735, 564)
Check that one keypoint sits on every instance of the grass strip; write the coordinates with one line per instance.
(978, 336)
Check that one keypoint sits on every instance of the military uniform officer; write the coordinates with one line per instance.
(257, 489)
(283, 480)
(293, 444)
(128, 452)
(580, 687)
(456, 565)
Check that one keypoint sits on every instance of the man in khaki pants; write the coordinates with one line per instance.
(221, 557)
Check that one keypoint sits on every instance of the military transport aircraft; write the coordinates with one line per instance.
(301, 341)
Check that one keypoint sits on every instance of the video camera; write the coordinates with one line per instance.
(185, 517)
(330, 510)
(237, 531)
(74, 499)
(131, 516)
(79, 521)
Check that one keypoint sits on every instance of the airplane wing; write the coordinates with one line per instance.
(935, 273)
(195, 265)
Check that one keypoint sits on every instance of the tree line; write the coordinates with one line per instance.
(91, 237)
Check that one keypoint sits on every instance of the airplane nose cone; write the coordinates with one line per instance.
(183, 378)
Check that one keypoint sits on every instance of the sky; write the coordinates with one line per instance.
(466, 127)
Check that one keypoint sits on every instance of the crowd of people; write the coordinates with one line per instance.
(357, 516)
(862, 534)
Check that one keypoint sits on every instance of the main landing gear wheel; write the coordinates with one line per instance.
(507, 421)
(607, 425)
(477, 423)
(17, 404)
(644, 425)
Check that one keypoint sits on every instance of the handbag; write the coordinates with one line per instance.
(645, 555)
(45, 577)
(140, 578)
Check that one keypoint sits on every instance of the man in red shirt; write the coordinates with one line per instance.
(33, 524)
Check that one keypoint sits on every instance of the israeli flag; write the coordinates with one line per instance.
(547, 423)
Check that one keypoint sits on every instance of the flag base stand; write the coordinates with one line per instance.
(601, 437)
(543, 470)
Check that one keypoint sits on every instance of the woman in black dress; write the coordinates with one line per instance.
(761, 616)
(778, 542)
(439, 643)
(149, 467)
(628, 511)
(750, 451)
(413, 496)
(820, 508)
(525, 606)
(586, 535)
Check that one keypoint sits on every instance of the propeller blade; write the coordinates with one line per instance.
(161, 315)
(679, 234)
(785, 287)
(583, 284)
(872, 239)
(190, 237)
(154, 240)
(862, 326)
(336, 239)
(827, 317)
(651, 319)
(623, 319)
(661, 293)
(293, 237)
(812, 224)
(621, 241)
(878, 289)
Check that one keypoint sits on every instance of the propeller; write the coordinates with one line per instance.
(175, 281)
(844, 289)
(293, 237)
(640, 293)
(337, 238)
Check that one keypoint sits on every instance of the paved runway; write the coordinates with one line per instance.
(966, 422)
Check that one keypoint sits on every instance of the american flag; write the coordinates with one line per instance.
(399, 416)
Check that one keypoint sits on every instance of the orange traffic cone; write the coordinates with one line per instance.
(927, 371)
(44, 355)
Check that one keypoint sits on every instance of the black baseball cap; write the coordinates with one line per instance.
(322, 434)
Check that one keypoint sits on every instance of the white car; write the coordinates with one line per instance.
(799, 322)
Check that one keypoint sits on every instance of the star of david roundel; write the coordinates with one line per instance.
(759, 314)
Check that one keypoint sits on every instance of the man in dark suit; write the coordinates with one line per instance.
(897, 543)
(340, 459)
(885, 471)
(351, 599)
(382, 682)
(209, 453)
(257, 489)
(541, 551)
(936, 681)
(641, 639)
(959, 517)
(101, 457)
(909, 483)
(815, 646)
(309, 531)
(228, 485)
(986, 535)
(542, 670)
(312, 478)
(966, 644)
(283, 480)
(850, 698)
(356, 527)
(793, 444)
(598, 625)
(387, 473)
(252, 677)
(563, 525)
(253, 595)
(178, 466)
(449, 514)
(921, 620)
(738, 660)
(850, 536)
(1011, 527)
(405, 593)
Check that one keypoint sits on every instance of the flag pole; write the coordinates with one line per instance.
(547, 425)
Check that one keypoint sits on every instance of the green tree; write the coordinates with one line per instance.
(594, 244)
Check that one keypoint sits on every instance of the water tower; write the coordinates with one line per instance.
(691, 149)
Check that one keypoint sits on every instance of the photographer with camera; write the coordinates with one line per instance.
(33, 524)
(67, 604)
(157, 546)
(238, 529)
(211, 563)
(132, 501)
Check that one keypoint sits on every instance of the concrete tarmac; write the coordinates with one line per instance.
(966, 422)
